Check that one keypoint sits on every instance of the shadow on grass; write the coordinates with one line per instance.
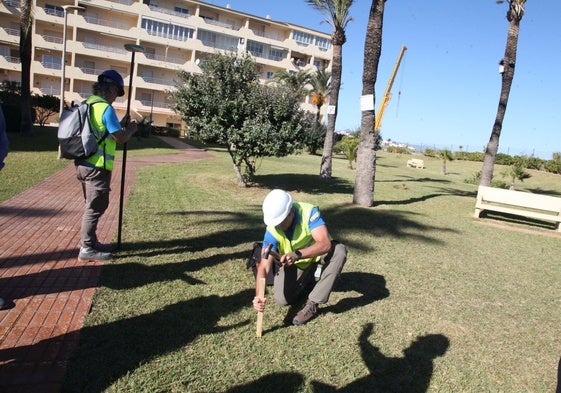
(544, 192)
(109, 351)
(372, 287)
(411, 373)
(310, 184)
(442, 192)
(519, 220)
(369, 223)
(403, 178)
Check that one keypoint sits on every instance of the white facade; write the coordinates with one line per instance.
(176, 34)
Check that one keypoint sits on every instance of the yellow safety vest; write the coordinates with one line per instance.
(301, 238)
(104, 158)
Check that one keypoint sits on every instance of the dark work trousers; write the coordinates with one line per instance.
(95, 185)
(291, 281)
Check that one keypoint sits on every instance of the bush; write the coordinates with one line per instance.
(398, 150)
(553, 166)
(503, 159)
(476, 179)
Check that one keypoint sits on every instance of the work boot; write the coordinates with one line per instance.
(89, 254)
(304, 315)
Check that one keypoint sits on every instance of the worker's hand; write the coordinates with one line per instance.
(125, 120)
(132, 127)
(288, 259)
(259, 303)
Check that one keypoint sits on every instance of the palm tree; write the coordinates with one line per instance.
(517, 171)
(26, 22)
(297, 81)
(348, 146)
(363, 193)
(321, 87)
(514, 16)
(337, 15)
(445, 155)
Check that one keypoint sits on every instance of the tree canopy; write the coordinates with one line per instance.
(227, 105)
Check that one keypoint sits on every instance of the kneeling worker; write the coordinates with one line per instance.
(299, 234)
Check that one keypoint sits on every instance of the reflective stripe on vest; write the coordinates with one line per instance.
(104, 158)
(301, 238)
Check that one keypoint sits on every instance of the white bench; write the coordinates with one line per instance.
(416, 163)
(539, 207)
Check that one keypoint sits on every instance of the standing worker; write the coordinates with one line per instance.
(94, 173)
(299, 234)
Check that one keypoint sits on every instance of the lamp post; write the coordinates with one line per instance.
(65, 9)
(133, 48)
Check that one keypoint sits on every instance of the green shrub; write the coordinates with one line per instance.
(476, 179)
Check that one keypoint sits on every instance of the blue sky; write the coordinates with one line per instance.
(447, 88)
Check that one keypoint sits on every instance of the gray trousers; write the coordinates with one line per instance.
(290, 281)
(95, 185)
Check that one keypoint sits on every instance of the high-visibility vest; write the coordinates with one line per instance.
(104, 158)
(301, 238)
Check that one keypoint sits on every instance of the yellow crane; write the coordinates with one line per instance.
(387, 94)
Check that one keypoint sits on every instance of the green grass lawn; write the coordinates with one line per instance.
(430, 300)
(30, 160)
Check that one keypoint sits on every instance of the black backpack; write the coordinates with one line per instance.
(76, 138)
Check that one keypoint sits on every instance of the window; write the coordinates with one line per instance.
(323, 43)
(150, 53)
(50, 61)
(55, 10)
(182, 11)
(167, 30)
(277, 54)
(255, 48)
(302, 38)
(88, 67)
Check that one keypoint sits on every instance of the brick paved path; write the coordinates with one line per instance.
(48, 291)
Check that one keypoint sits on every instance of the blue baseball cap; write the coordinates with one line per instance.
(112, 76)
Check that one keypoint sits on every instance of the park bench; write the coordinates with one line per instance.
(416, 163)
(536, 206)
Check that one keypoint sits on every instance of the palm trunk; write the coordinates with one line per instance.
(366, 157)
(336, 70)
(507, 77)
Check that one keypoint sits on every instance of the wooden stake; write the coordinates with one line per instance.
(261, 294)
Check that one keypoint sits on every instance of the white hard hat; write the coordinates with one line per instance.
(276, 207)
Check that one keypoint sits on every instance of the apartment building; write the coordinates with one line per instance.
(175, 34)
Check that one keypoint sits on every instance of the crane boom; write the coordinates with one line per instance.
(387, 93)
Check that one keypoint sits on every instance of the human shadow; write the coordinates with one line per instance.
(107, 352)
(411, 373)
(273, 383)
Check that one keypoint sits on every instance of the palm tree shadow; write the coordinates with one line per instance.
(108, 351)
